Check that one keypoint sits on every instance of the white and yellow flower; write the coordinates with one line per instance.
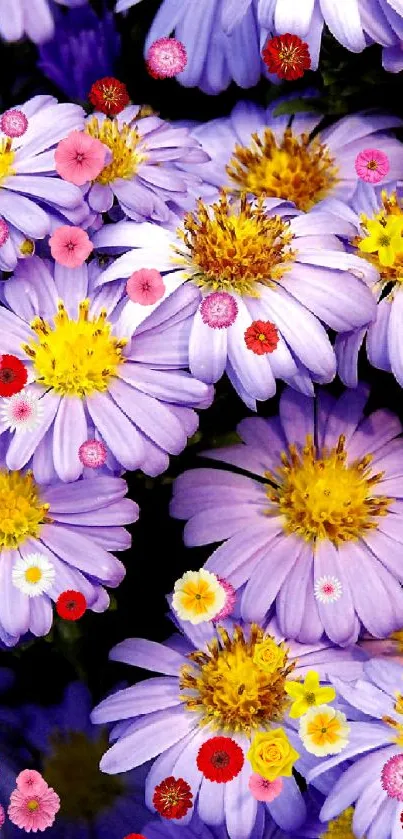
(198, 596)
(324, 731)
(33, 575)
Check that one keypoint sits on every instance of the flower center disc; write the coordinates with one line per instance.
(297, 170)
(6, 159)
(123, 143)
(229, 689)
(321, 497)
(75, 357)
(232, 248)
(342, 827)
(21, 509)
(72, 769)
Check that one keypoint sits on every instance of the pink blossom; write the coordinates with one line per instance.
(4, 232)
(230, 598)
(166, 58)
(80, 158)
(92, 453)
(31, 811)
(13, 123)
(372, 165)
(145, 286)
(392, 777)
(264, 790)
(30, 782)
(219, 310)
(70, 246)
(2, 816)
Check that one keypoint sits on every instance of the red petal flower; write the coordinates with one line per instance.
(220, 759)
(13, 375)
(109, 96)
(261, 337)
(71, 605)
(172, 798)
(287, 56)
(135, 836)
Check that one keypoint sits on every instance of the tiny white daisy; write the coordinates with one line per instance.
(33, 575)
(328, 589)
(21, 412)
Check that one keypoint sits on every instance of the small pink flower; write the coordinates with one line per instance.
(92, 453)
(30, 782)
(80, 158)
(13, 123)
(2, 815)
(392, 777)
(230, 598)
(264, 790)
(33, 811)
(219, 310)
(4, 232)
(372, 165)
(70, 246)
(145, 286)
(166, 58)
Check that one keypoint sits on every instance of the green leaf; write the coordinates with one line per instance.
(296, 106)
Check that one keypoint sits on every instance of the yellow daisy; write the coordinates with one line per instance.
(308, 693)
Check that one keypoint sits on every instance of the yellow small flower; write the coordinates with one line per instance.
(271, 754)
(324, 731)
(307, 694)
(385, 238)
(269, 656)
(198, 596)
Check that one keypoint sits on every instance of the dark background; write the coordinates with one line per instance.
(345, 83)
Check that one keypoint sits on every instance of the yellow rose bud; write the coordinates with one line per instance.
(269, 656)
(271, 754)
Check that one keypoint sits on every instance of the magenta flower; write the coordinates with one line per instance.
(13, 123)
(80, 158)
(372, 165)
(33, 811)
(70, 246)
(166, 58)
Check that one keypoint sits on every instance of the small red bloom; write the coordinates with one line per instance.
(220, 759)
(261, 337)
(135, 836)
(287, 56)
(13, 375)
(172, 798)
(109, 96)
(71, 605)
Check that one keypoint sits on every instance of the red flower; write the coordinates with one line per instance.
(135, 836)
(220, 759)
(109, 96)
(13, 375)
(287, 56)
(71, 605)
(172, 798)
(261, 337)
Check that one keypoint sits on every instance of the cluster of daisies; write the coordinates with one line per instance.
(142, 261)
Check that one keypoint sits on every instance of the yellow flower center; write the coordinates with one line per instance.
(342, 827)
(232, 248)
(123, 143)
(229, 689)
(33, 574)
(296, 169)
(75, 357)
(398, 638)
(6, 159)
(397, 727)
(27, 247)
(32, 805)
(21, 509)
(384, 231)
(321, 497)
(72, 769)
(324, 728)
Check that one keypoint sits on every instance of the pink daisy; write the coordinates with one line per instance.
(219, 310)
(328, 589)
(2, 816)
(30, 782)
(33, 811)
(145, 286)
(4, 232)
(13, 123)
(230, 597)
(70, 246)
(92, 453)
(80, 158)
(166, 58)
(392, 777)
(372, 165)
(264, 790)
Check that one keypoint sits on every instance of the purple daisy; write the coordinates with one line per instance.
(274, 273)
(155, 720)
(32, 196)
(374, 212)
(57, 537)
(142, 173)
(30, 18)
(93, 379)
(374, 780)
(282, 158)
(319, 523)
